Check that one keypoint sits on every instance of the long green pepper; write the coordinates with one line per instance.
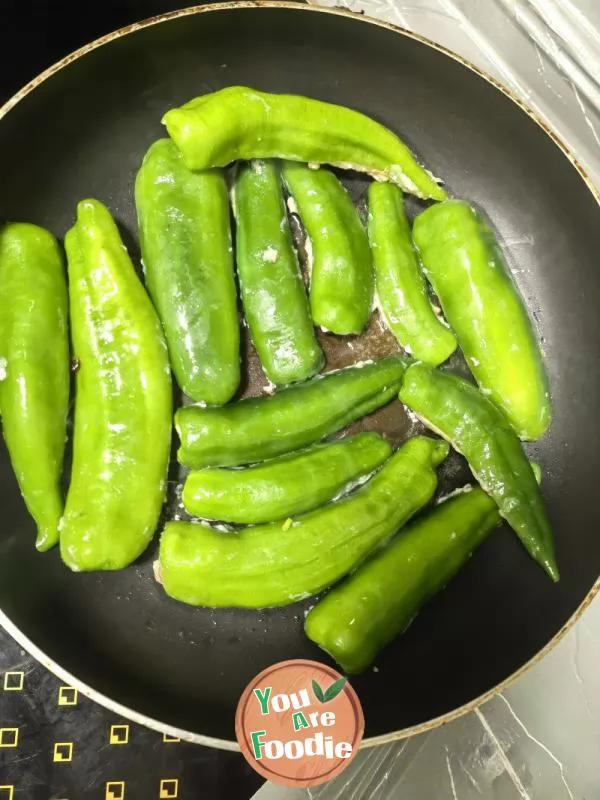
(188, 264)
(466, 268)
(341, 268)
(122, 428)
(34, 369)
(264, 427)
(284, 486)
(380, 600)
(273, 565)
(273, 294)
(475, 427)
(238, 123)
(401, 287)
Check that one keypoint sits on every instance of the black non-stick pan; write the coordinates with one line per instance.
(81, 130)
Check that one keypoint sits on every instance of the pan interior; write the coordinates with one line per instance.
(83, 133)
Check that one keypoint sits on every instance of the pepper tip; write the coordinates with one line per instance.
(440, 451)
(552, 570)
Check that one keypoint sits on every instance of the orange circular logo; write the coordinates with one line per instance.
(299, 723)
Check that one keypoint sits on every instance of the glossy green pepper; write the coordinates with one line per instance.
(188, 264)
(284, 486)
(475, 427)
(271, 286)
(341, 268)
(466, 268)
(34, 369)
(401, 287)
(275, 564)
(264, 427)
(122, 428)
(379, 601)
(240, 123)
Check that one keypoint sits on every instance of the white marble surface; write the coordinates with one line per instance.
(540, 738)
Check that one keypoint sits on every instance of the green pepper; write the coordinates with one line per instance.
(271, 286)
(34, 369)
(341, 280)
(264, 427)
(241, 123)
(284, 486)
(475, 427)
(122, 427)
(188, 263)
(275, 564)
(401, 287)
(466, 268)
(380, 600)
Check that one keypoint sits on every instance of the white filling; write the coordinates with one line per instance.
(270, 254)
(460, 490)
(310, 259)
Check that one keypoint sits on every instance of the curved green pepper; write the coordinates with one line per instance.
(188, 263)
(401, 287)
(284, 486)
(241, 123)
(380, 600)
(475, 427)
(271, 286)
(34, 369)
(273, 565)
(122, 426)
(264, 427)
(466, 268)
(341, 280)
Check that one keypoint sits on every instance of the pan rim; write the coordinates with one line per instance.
(227, 744)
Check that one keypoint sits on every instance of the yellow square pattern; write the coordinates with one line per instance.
(7, 792)
(13, 681)
(167, 738)
(63, 751)
(115, 790)
(119, 734)
(169, 789)
(9, 737)
(67, 696)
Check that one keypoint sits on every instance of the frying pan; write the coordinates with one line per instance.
(81, 130)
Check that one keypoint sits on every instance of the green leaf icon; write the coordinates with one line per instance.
(330, 693)
(334, 689)
(318, 692)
